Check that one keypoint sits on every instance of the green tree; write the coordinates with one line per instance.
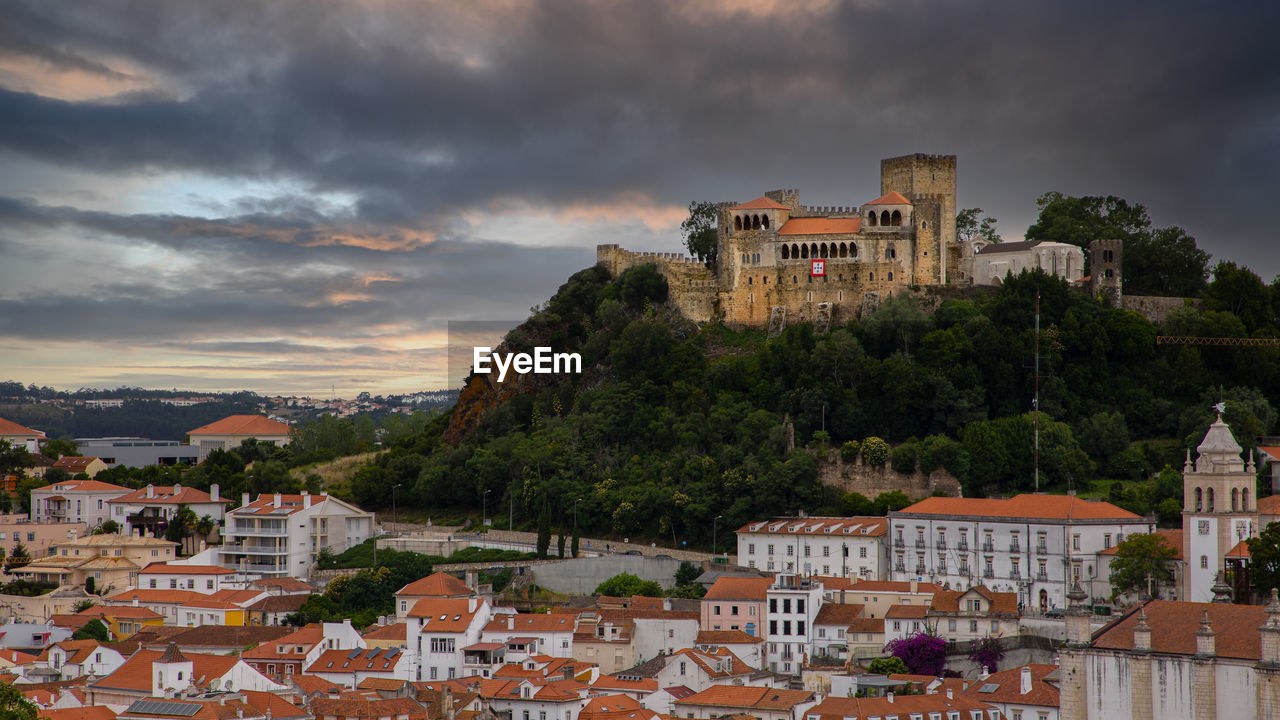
(854, 504)
(18, 557)
(904, 458)
(109, 527)
(892, 500)
(874, 451)
(1166, 262)
(1264, 559)
(972, 225)
(1081, 220)
(60, 447)
(891, 665)
(93, 630)
(544, 528)
(640, 284)
(1140, 559)
(14, 705)
(1105, 434)
(687, 573)
(1242, 293)
(699, 231)
(849, 450)
(626, 585)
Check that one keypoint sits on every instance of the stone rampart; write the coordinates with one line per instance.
(871, 480)
(1155, 308)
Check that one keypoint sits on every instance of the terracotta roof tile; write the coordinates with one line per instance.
(88, 712)
(867, 625)
(162, 568)
(73, 464)
(1055, 507)
(135, 673)
(837, 708)
(1269, 505)
(386, 707)
(242, 425)
(9, 427)
(395, 631)
(837, 614)
(748, 697)
(906, 611)
(444, 614)
(1008, 687)
(891, 198)
(533, 622)
(166, 494)
(84, 486)
(839, 526)
(1174, 625)
(948, 601)
(727, 637)
(739, 588)
(373, 660)
(1171, 538)
(820, 226)
(437, 584)
(762, 203)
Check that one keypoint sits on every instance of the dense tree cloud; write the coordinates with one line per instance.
(241, 169)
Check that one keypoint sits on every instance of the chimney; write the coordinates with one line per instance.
(306, 499)
(951, 694)
(1025, 684)
(135, 601)
(151, 491)
(275, 502)
(889, 696)
(913, 586)
(213, 492)
(244, 499)
(511, 622)
(471, 604)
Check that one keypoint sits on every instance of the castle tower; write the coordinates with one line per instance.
(1219, 509)
(929, 182)
(171, 671)
(1105, 262)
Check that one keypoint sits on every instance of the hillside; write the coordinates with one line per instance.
(671, 425)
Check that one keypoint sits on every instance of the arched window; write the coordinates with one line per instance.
(924, 224)
(884, 217)
(896, 218)
(1235, 499)
(844, 250)
(813, 249)
(748, 279)
(764, 222)
(795, 251)
(1244, 499)
(853, 249)
(871, 276)
(822, 251)
(890, 276)
(1199, 500)
(804, 251)
(755, 222)
(795, 280)
(737, 222)
(871, 218)
(764, 280)
(786, 252)
(744, 258)
(1209, 501)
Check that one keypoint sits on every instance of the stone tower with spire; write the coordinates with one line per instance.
(1219, 509)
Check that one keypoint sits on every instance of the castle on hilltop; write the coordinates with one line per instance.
(780, 262)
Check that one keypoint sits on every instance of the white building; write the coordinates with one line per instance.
(834, 547)
(992, 262)
(438, 631)
(1032, 545)
(350, 667)
(793, 605)
(282, 534)
(230, 432)
(1028, 692)
(528, 634)
(20, 435)
(1219, 510)
(85, 501)
(206, 579)
(155, 505)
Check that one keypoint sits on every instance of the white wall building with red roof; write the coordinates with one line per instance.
(830, 546)
(157, 504)
(85, 501)
(233, 430)
(439, 629)
(280, 535)
(1032, 545)
(528, 634)
(20, 435)
(205, 579)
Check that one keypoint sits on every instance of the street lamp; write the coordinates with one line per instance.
(575, 519)
(393, 506)
(714, 526)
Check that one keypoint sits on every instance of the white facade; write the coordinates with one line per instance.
(991, 263)
(549, 634)
(661, 634)
(1005, 546)
(793, 603)
(150, 505)
(834, 547)
(72, 663)
(205, 580)
(280, 535)
(438, 629)
(1218, 509)
(85, 501)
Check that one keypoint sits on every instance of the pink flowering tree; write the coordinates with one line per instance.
(924, 654)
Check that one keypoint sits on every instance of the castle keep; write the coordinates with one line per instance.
(765, 272)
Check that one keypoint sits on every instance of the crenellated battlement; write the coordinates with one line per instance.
(828, 210)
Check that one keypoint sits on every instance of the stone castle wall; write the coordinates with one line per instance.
(692, 288)
(871, 480)
(1156, 309)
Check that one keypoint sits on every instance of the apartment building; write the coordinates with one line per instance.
(1033, 545)
(830, 546)
(152, 507)
(280, 535)
(793, 604)
(75, 501)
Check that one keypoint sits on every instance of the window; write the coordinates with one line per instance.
(800, 605)
(1106, 540)
(208, 584)
(791, 550)
(770, 548)
(773, 627)
(442, 645)
(1075, 541)
(773, 605)
(786, 605)
(862, 552)
(897, 625)
(715, 609)
(786, 627)
(951, 625)
(751, 548)
(826, 551)
(1204, 561)
(153, 583)
(799, 627)
(973, 626)
(733, 610)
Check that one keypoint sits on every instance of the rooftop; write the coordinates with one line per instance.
(1021, 507)
(258, 425)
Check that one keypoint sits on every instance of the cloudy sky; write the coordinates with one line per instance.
(285, 196)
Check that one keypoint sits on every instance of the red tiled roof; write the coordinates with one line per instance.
(762, 203)
(867, 625)
(147, 595)
(368, 708)
(437, 584)
(532, 622)
(745, 696)
(370, 660)
(1055, 507)
(838, 708)
(891, 198)
(948, 601)
(83, 486)
(738, 588)
(135, 673)
(166, 494)
(286, 584)
(1269, 505)
(87, 712)
(121, 611)
(73, 464)
(395, 631)
(259, 425)
(1174, 625)
(611, 682)
(840, 526)
(1009, 687)
(306, 638)
(730, 637)
(837, 614)
(820, 226)
(1241, 550)
(906, 611)
(314, 683)
(163, 568)
(444, 614)
(615, 707)
(9, 427)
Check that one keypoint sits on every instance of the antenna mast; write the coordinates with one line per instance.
(1036, 401)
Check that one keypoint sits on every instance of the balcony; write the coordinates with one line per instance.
(1042, 577)
(941, 544)
(920, 569)
(988, 573)
(942, 569)
(253, 549)
(899, 567)
(1015, 547)
(1042, 549)
(963, 546)
(988, 546)
(919, 543)
(1014, 574)
(964, 570)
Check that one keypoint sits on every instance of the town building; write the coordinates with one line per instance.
(439, 629)
(765, 703)
(736, 603)
(280, 535)
(1029, 692)
(152, 507)
(20, 435)
(36, 537)
(877, 596)
(1099, 586)
(936, 706)
(76, 465)
(230, 432)
(961, 615)
(350, 667)
(71, 659)
(77, 501)
(839, 547)
(748, 648)
(793, 604)
(206, 579)
(138, 452)
(435, 585)
(123, 620)
(1032, 545)
(993, 262)
(527, 634)
(113, 561)
(1173, 659)
(150, 673)
(285, 657)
